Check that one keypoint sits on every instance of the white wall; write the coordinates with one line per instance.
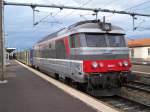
(140, 52)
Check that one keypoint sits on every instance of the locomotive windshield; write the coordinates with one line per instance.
(116, 40)
(95, 40)
(105, 40)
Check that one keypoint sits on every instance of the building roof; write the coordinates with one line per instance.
(10, 49)
(139, 42)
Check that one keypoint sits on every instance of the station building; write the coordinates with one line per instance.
(140, 50)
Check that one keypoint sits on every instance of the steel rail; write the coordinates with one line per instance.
(125, 104)
(139, 86)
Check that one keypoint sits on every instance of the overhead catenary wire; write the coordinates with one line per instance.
(105, 5)
(138, 5)
(141, 8)
(50, 14)
(133, 16)
(69, 14)
(128, 8)
(110, 2)
(76, 8)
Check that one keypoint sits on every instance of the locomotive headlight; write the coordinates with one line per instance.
(94, 64)
(101, 64)
(120, 63)
(125, 63)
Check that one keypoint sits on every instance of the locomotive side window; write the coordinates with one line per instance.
(74, 41)
(116, 41)
(95, 40)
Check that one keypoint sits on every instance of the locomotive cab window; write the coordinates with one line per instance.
(116, 40)
(95, 40)
(105, 40)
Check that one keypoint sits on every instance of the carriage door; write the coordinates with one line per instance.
(60, 49)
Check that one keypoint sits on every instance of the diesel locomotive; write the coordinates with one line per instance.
(91, 54)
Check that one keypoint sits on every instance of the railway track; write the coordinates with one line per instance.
(139, 86)
(124, 104)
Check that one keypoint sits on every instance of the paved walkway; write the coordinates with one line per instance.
(26, 92)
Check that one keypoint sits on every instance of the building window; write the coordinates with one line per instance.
(148, 51)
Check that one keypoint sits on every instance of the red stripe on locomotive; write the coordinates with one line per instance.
(66, 41)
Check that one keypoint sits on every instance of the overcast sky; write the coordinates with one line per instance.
(21, 34)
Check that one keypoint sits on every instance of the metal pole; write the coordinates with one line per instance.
(133, 22)
(33, 13)
(2, 49)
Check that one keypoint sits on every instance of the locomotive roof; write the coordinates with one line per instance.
(82, 24)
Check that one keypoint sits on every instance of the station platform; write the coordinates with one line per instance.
(26, 92)
(29, 90)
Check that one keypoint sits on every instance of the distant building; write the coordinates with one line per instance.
(9, 54)
(140, 50)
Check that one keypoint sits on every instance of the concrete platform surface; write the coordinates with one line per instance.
(26, 92)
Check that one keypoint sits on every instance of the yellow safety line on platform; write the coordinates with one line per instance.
(90, 101)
